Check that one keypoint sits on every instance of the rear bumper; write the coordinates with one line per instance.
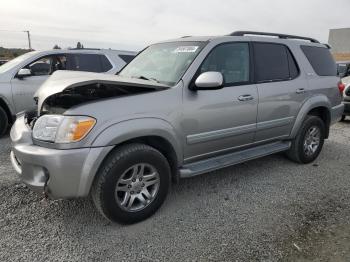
(346, 108)
(65, 173)
(336, 113)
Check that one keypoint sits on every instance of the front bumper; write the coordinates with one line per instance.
(67, 173)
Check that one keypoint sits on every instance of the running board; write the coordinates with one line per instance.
(211, 164)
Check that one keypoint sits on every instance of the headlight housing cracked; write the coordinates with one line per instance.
(62, 129)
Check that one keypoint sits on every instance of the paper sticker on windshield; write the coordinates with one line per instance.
(186, 49)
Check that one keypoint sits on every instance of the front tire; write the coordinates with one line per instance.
(309, 141)
(131, 184)
(4, 122)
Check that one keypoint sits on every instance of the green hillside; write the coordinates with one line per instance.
(10, 53)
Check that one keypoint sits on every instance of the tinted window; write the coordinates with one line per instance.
(232, 60)
(127, 58)
(105, 64)
(271, 62)
(321, 60)
(293, 68)
(84, 62)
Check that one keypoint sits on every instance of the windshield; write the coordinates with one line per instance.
(15, 61)
(165, 63)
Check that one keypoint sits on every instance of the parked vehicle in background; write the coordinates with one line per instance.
(22, 76)
(346, 95)
(181, 108)
(2, 61)
(343, 69)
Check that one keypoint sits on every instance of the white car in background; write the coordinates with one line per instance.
(22, 76)
(346, 95)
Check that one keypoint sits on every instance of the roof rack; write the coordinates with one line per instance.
(87, 48)
(282, 36)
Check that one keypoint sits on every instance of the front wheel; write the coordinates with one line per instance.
(4, 122)
(132, 183)
(308, 144)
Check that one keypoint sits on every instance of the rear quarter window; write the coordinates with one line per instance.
(321, 60)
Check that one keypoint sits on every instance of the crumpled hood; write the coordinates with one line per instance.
(61, 80)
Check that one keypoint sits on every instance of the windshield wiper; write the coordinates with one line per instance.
(146, 78)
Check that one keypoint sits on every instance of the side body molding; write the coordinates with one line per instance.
(140, 127)
(313, 102)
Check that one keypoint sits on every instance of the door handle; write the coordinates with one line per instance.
(300, 91)
(245, 97)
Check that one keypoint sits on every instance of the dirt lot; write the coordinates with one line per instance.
(269, 209)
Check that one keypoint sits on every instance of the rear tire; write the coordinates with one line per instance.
(4, 122)
(131, 184)
(308, 143)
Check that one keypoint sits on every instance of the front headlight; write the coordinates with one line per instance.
(62, 129)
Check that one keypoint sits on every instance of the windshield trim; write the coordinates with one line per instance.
(172, 84)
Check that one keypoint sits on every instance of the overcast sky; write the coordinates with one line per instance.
(134, 24)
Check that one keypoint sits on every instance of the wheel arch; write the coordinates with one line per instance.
(156, 133)
(4, 105)
(317, 106)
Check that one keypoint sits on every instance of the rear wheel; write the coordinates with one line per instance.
(308, 144)
(132, 183)
(4, 122)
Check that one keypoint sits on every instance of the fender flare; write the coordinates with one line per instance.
(123, 131)
(310, 104)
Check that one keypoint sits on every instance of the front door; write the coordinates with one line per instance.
(216, 121)
(24, 88)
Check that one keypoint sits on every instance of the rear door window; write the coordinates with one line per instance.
(84, 62)
(88, 62)
(274, 62)
(127, 58)
(321, 60)
(105, 64)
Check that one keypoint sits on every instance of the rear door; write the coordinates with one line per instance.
(282, 90)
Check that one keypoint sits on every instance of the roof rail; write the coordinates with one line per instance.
(87, 48)
(282, 36)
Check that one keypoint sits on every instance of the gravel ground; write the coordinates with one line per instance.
(268, 209)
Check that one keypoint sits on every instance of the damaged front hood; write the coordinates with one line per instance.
(62, 81)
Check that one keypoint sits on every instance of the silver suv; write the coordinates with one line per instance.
(22, 76)
(181, 108)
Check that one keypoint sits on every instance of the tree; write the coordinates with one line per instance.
(56, 47)
(78, 45)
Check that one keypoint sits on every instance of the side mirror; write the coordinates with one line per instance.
(24, 72)
(209, 81)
